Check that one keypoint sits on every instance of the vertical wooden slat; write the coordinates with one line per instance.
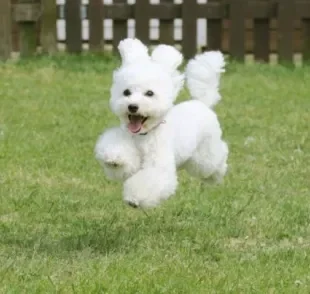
(5, 29)
(95, 16)
(236, 36)
(28, 33)
(166, 28)
(286, 16)
(48, 26)
(237, 29)
(15, 31)
(142, 20)
(261, 39)
(189, 28)
(73, 26)
(214, 32)
(27, 39)
(306, 40)
(119, 28)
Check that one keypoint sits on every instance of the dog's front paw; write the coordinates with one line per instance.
(116, 170)
(136, 201)
(131, 202)
(114, 167)
(149, 187)
(112, 163)
(117, 154)
(110, 160)
(139, 193)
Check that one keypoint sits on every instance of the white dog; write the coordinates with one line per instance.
(156, 137)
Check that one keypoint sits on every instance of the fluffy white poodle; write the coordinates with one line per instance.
(156, 137)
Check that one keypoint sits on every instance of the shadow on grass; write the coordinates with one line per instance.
(114, 234)
(57, 221)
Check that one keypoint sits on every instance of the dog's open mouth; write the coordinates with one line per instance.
(135, 123)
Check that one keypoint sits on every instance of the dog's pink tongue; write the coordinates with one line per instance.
(135, 124)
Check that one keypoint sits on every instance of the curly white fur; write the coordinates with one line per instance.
(203, 77)
(187, 135)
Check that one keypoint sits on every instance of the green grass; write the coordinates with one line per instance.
(65, 229)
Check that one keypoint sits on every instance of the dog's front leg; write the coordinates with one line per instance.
(117, 154)
(155, 181)
(149, 186)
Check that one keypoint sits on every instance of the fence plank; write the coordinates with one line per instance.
(166, 33)
(73, 26)
(261, 32)
(95, 16)
(27, 13)
(214, 31)
(5, 29)
(303, 9)
(306, 40)
(119, 27)
(286, 16)
(27, 39)
(237, 29)
(189, 28)
(48, 26)
(261, 39)
(261, 9)
(142, 20)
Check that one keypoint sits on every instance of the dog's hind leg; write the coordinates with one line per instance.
(117, 154)
(209, 162)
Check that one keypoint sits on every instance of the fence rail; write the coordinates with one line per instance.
(236, 27)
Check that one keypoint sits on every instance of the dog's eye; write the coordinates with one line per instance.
(127, 92)
(149, 93)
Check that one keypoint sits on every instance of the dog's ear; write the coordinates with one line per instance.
(132, 50)
(167, 56)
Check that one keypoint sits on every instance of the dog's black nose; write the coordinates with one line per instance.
(133, 108)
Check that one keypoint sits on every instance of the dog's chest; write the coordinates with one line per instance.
(146, 145)
(152, 147)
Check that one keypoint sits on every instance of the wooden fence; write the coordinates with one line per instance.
(236, 27)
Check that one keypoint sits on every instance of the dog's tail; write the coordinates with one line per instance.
(203, 77)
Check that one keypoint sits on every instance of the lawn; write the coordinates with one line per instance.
(65, 229)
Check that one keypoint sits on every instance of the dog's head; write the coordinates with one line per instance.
(145, 87)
